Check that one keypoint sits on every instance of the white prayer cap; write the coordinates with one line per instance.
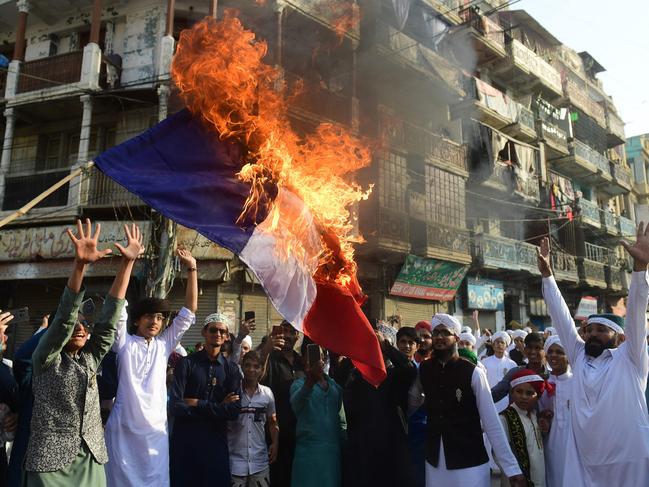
(468, 337)
(503, 336)
(551, 330)
(247, 340)
(510, 332)
(552, 340)
(528, 329)
(447, 321)
(218, 317)
(467, 329)
(519, 334)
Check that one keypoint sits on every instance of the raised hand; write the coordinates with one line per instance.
(85, 244)
(5, 318)
(246, 327)
(543, 257)
(186, 258)
(640, 249)
(134, 245)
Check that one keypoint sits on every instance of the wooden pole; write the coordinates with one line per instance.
(23, 211)
(95, 22)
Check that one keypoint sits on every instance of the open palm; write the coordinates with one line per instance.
(640, 249)
(134, 245)
(85, 243)
(543, 257)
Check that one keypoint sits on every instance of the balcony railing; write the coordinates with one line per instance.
(505, 253)
(535, 65)
(597, 253)
(20, 190)
(627, 227)
(406, 50)
(590, 212)
(384, 229)
(592, 156)
(435, 240)
(489, 29)
(615, 125)
(104, 192)
(577, 90)
(50, 72)
(610, 222)
(433, 147)
(564, 266)
(592, 273)
(330, 14)
(622, 175)
(319, 101)
(614, 278)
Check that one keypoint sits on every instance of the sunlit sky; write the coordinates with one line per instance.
(616, 34)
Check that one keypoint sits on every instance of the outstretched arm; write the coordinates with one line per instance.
(635, 329)
(191, 293)
(62, 326)
(557, 306)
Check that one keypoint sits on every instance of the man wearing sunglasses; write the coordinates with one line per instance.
(203, 397)
(457, 398)
(136, 431)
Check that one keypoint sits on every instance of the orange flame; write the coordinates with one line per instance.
(219, 70)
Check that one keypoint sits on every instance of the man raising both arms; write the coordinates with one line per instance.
(610, 365)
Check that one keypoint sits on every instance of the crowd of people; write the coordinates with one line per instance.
(115, 401)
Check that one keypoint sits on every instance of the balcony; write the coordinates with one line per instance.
(641, 188)
(404, 52)
(591, 273)
(585, 164)
(481, 39)
(576, 91)
(610, 223)
(437, 241)
(103, 192)
(621, 182)
(385, 230)
(590, 213)
(614, 128)
(530, 72)
(491, 106)
(330, 14)
(434, 148)
(556, 139)
(317, 102)
(614, 278)
(50, 72)
(505, 253)
(564, 266)
(21, 189)
(627, 227)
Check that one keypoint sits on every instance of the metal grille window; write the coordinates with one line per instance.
(446, 197)
(392, 181)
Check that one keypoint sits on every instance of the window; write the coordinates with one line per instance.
(446, 197)
(392, 182)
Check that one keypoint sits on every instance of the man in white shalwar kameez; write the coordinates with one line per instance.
(136, 432)
(608, 408)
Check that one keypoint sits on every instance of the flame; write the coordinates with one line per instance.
(219, 70)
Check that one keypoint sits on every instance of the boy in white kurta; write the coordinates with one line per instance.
(499, 364)
(522, 428)
(136, 431)
(559, 442)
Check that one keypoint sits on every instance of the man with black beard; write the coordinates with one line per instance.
(458, 401)
(610, 366)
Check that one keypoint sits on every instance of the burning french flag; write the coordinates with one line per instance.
(231, 167)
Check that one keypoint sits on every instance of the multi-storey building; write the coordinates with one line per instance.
(489, 133)
(637, 150)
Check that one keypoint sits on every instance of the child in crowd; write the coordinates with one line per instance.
(249, 455)
(522, 427)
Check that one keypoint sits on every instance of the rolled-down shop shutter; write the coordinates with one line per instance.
(207, 304)
(413, 310)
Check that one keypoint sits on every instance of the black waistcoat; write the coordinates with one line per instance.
(452, 414)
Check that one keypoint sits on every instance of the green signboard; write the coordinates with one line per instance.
(432, 279)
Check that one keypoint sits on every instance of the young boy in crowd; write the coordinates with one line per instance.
(249, 455)
(522, 427)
